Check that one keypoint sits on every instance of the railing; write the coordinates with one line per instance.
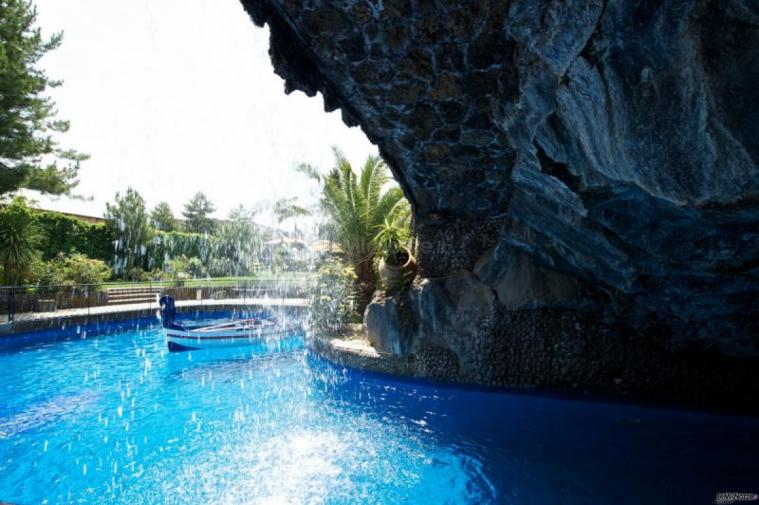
(20, 302)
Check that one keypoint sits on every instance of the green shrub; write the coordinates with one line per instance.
(196, 268)
(182, 268)
(332, 299)
(221, 267)
(136, 274)
(66, 270)
(158, 275)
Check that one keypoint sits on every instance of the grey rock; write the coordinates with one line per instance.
(572, 154)
(521, 284)
(388, 325)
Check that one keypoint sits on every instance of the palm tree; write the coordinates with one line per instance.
(358, 205)
(288, 208)
(19, 238)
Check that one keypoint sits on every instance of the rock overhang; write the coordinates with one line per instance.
(612, 142)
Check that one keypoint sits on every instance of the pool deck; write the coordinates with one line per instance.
(31, 321)
(353, 350)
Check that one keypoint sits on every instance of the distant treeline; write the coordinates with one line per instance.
(60, 233)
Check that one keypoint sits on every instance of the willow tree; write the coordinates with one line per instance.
(30, 156)
(358, 204)
(237, 244)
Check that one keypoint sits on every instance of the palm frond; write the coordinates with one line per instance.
(309, 171)
(358, 205)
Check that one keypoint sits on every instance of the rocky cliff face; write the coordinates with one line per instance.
(593, 161)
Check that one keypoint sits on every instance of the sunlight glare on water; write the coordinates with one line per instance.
(115, 418)
(143, 425)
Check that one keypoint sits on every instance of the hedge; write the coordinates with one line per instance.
(66, 234)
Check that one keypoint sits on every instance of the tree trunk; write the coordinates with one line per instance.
(365, 284)
(8, 273)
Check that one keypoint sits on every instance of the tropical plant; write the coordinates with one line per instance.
(288, 208)
(197, 213)
(19, 238)
(391, 239)
(29, 153)
(332, 299)
(128, 219)
(357, 206)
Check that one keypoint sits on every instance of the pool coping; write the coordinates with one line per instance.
(353, 351)
(37, 321)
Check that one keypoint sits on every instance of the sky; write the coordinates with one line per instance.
(172, 97)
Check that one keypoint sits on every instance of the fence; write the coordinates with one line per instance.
(19, 302)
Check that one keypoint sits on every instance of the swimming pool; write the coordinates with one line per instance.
(115, 418)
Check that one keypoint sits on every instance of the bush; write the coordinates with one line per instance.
(66, 234)
(158, 275)
(183, 268)
(332, 299)
(136, 274)
(221, 267)
(69, 270)
(196, 268)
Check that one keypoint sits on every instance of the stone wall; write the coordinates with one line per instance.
(590, 156)
(455, 329)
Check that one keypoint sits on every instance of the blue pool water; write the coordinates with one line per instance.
(115, 418)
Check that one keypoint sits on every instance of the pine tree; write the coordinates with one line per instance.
(162, 218)
(196, 213)
(29, 154)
